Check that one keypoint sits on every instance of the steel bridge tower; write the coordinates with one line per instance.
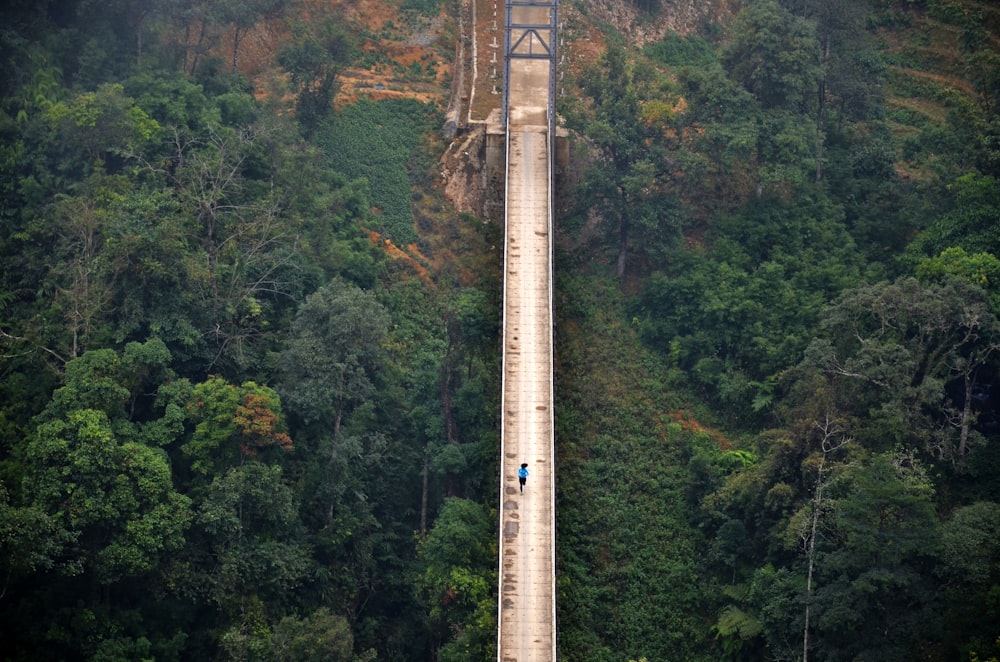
(530, 39)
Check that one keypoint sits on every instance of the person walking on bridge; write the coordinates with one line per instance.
(522, 475)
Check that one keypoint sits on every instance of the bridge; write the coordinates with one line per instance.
(526, 610)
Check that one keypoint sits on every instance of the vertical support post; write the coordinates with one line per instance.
(505, 102)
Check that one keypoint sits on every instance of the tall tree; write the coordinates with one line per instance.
(239, 224)
(902, 344)
(319, 637)
(874, 598)
(248, 520)
(833, 439)
(626, 119)
(231, 425)
(330, 364)
(134, 14)
(243, 15)
(848, 76)
(115, 496)
(775, 56)
(455, 581)
(970, 571)
(329, 372)
(313, 60)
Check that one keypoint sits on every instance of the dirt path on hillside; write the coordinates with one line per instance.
(956, 83)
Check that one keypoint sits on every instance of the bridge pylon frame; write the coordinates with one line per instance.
(530, 41)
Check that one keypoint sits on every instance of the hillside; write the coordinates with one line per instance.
(711, 411)
(249, 371)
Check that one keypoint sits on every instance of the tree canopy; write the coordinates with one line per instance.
(249, 361)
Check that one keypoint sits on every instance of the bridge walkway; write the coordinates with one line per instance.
(526, 610)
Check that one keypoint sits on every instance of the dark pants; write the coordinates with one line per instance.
(521, 480)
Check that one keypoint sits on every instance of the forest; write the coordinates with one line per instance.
(249, 351)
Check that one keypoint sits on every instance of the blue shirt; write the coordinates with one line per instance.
(522, 473)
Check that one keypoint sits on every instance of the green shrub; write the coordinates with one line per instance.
(378, 141)
(680, 50)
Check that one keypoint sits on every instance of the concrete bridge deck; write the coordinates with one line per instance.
(526, 610)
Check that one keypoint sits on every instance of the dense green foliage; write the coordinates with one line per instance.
(377, 142)
(227, 421)
(817, 280)
(232, 428)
